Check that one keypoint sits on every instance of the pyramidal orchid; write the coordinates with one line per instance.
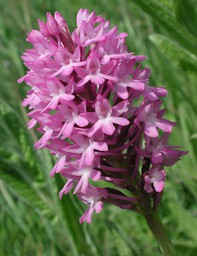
(92, 102)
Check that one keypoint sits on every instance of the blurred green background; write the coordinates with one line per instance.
(32, 219)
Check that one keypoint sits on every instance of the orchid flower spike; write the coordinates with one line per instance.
(97, 113)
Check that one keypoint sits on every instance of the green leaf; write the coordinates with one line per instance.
(163, 17)
(11, 209)
(181, 57)
(25, 192)
(186, 222)
(173, 50)
(186, 14)
(18, 194)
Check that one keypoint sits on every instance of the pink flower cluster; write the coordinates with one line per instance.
(94, 107)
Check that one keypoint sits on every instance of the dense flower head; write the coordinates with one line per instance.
(92, 102)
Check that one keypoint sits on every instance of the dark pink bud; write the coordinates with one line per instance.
(60, 20)
(52, 25)
(64, 32)
(43, 28)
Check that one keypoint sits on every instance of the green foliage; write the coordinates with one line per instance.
(33, 219)
(166, 20)
(186, 14)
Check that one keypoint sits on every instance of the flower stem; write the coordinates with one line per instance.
(159, 233)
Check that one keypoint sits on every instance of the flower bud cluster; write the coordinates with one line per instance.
(96, 111)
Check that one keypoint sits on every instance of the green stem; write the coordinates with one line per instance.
(159, 233)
